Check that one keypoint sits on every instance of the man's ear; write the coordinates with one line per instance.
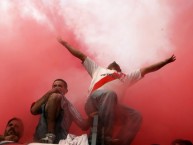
(66, 91)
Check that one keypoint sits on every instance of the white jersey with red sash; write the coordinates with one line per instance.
(105, 79)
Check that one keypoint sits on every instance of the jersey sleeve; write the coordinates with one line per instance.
(133, 77)
(90, 66)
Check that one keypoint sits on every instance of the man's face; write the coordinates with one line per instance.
(15, 127)
(60, 85)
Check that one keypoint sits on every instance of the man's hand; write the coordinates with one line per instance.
(55, 90)
(171, 59)
(11, 138)
(72, 50)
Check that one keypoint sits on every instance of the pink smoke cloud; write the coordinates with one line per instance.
(135, 33)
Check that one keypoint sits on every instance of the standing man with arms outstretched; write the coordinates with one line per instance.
(107, 84)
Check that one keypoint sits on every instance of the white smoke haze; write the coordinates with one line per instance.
(122, 30)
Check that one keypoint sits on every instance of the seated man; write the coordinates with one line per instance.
(13, 131)
(57, 114)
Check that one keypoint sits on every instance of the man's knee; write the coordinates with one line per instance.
(53, 104)
(54, 100)
(111, 95)
(55, 97)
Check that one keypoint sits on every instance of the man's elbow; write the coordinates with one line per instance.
(82, 57)
(143, 72)
(33, 111)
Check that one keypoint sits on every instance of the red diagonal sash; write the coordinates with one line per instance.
(107, 79)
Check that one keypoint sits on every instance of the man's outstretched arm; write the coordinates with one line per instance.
(72, 50)
(157, 66)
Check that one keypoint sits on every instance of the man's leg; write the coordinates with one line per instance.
(130, 122)
(103, 102)
(52, 110)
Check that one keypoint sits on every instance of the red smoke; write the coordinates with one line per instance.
(166, 102)
(31, 59)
